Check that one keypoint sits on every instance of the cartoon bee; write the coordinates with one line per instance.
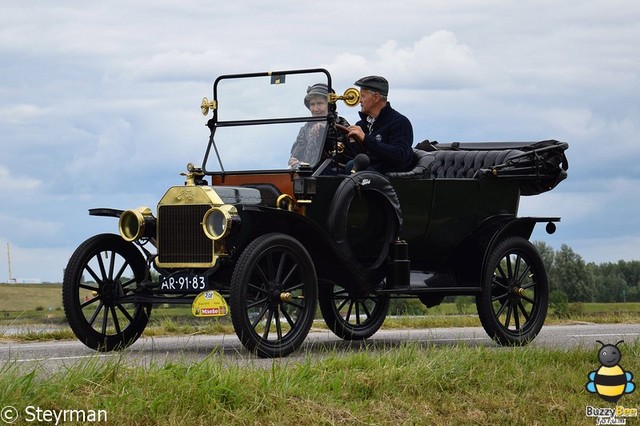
(610, 381)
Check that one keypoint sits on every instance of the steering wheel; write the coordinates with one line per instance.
(346, 150)
(358, 146)
(342, 128)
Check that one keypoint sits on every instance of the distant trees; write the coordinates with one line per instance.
(589, 282)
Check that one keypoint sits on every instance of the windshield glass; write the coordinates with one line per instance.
(269, 122)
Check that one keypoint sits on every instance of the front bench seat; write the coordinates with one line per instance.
(422, 162)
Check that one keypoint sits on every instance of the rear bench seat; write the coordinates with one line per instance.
(453, 164)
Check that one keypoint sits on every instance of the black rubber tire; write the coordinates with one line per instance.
(93, 307)
(269, 268)
(515, 292)
(350, 317)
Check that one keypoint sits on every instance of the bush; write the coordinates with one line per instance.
(576, 309)
(407, 307)
(559, 303)
(463, 303)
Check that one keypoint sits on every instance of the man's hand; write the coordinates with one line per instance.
(356, 133)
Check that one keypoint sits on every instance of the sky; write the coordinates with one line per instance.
(99, 101)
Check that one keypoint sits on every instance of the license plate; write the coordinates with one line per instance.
(183, 283)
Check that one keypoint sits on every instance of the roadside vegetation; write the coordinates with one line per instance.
(413, 383)
(407, 384)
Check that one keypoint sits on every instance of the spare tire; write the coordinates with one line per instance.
(364, 218)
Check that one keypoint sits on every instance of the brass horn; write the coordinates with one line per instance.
(206, 105)
(350, 97)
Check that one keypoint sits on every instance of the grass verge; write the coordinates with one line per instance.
(411, 384)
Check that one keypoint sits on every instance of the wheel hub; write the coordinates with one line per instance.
(110, 292)
(515, 292)
(286, 297)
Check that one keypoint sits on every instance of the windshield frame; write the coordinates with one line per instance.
(276, 77)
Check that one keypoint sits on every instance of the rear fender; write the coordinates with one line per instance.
(521, 227)
(468, 261)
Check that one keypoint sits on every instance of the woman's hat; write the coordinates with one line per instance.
(319, 89)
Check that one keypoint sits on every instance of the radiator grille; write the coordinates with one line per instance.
(181, 239)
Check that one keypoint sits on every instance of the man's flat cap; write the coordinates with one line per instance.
(375, 83)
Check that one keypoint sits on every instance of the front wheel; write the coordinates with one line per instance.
(273, 295)
(351, 317)
(101, 273)
(515, 292)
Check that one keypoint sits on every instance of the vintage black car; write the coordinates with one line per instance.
(268, 242)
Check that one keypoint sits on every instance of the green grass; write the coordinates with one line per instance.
(29, 297)
(411, 384)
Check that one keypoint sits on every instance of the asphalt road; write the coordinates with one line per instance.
(53, 355)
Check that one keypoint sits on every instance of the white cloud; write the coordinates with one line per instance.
(10, 183)
(436, 61)
(19, 114)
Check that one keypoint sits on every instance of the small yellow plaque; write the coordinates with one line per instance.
(209, 304)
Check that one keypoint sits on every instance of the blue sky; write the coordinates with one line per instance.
(99, 101)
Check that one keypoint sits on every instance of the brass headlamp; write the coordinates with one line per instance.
(137, 223)
(218, 221)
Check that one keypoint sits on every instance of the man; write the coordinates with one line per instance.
(386, 134)
(311, 136)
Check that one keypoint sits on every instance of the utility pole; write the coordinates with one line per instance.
(9, 262)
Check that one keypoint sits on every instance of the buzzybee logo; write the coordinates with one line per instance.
(610, 381)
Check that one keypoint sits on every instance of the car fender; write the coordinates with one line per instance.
(520, 226)
(469, 259)
(330, 264)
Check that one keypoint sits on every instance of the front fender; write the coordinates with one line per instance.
(106, 212)
(329, 263)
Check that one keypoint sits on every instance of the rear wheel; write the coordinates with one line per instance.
(101, 273)
(351, 317)
(273, 295)
(515, 292)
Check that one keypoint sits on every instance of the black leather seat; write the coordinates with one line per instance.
(465, 164)
(422, 162)
(453, 164)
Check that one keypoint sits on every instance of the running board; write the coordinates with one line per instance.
(450, 291)
(424, 282)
